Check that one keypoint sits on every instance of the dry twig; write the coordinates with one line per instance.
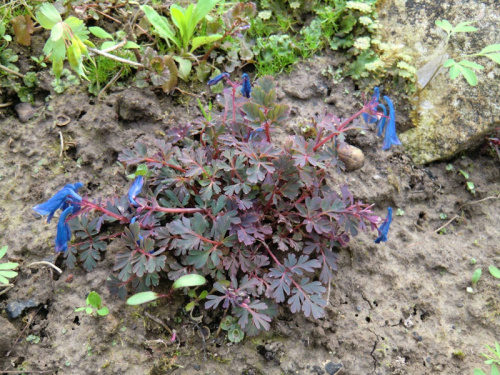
(8, 70)
(116, 58)
(447, 223)
(159, 321)
(46, 264)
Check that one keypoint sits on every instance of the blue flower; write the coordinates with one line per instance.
(246, 86)
(69, 201)
(390, 136)
(255, 133)
(63, 231)
(377, 112)
(67, 193)
(217, 79)
(135, 189)
(384, 228)
(381, 122)
(134, 219)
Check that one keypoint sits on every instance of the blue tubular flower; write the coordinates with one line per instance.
(135, 189)
(384, 228)
(57, 201)
(246, 86)
(390, 136)
(217, 79)
(382, 121)
(69, 201)
(63, 231)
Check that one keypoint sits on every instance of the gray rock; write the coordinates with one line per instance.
(449, 116)
(16, 308)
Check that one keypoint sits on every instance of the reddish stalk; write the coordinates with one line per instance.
(151, 160)
(340, 128)
(174, 210)
(297, 285)
(86, 203)
(268, 135)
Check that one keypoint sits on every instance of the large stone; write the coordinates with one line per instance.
(449, 116)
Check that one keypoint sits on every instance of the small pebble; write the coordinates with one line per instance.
(359, 309)
(417, 336)
(333, 368)
(460, 304)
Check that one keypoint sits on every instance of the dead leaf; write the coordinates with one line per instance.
(23, 28)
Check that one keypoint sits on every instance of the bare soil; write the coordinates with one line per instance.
(399, 307)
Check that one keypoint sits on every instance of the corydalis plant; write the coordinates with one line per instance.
(259, 220)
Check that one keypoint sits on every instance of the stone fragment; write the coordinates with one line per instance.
(334, 368)
(15, 308)
(352, 157)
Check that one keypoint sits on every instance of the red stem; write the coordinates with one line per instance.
(340, 128)
(151, 160)
(266, 127)
(271, 254)
(94, 206)
(174, 210)
(233, 101)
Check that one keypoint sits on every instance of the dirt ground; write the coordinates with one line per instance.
(399, 307)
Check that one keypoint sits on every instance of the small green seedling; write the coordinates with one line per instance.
(185, 281)
(94, 303)
(476, 276)
(443, 216)
(206, 114)
(466, 67)
(400, 212)
(469, 184)
(495, 272)
(234, 332)
(6, 269)
(187, 21)
(492, 358)
(34, 339)
(141, 170)
(198, 298)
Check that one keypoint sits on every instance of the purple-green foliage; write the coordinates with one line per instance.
(260, 220)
